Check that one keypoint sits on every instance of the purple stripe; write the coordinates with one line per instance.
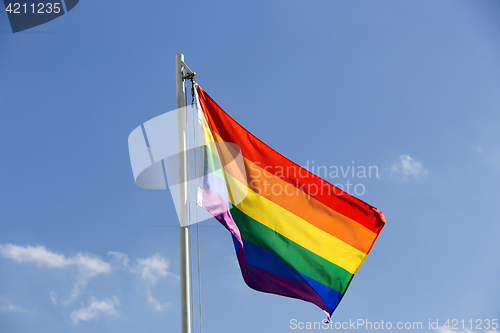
(264, 281)
(214, 203)
(217, 206)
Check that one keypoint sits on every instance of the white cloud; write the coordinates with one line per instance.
(406, 167)
(153, 303)
(53, 298)
(119, 257)
(153, 268)
(88, 266)
(37, 254)
(95, 310)
(6, 305)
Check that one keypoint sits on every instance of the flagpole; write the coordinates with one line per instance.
(183, 229)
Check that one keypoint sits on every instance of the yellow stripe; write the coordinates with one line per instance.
(288, 224)
(346, 229)
(207, 136)
(296, 229)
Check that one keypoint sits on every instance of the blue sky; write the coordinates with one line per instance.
(411, 87)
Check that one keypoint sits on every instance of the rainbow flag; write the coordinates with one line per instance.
(294, 233)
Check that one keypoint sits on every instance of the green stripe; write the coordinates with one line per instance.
(213, 162)
(291, 253)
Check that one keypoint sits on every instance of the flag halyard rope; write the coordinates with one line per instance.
(190, 76)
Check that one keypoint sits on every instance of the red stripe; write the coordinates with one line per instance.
(258, 152)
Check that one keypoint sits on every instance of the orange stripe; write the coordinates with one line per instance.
(308, 208)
